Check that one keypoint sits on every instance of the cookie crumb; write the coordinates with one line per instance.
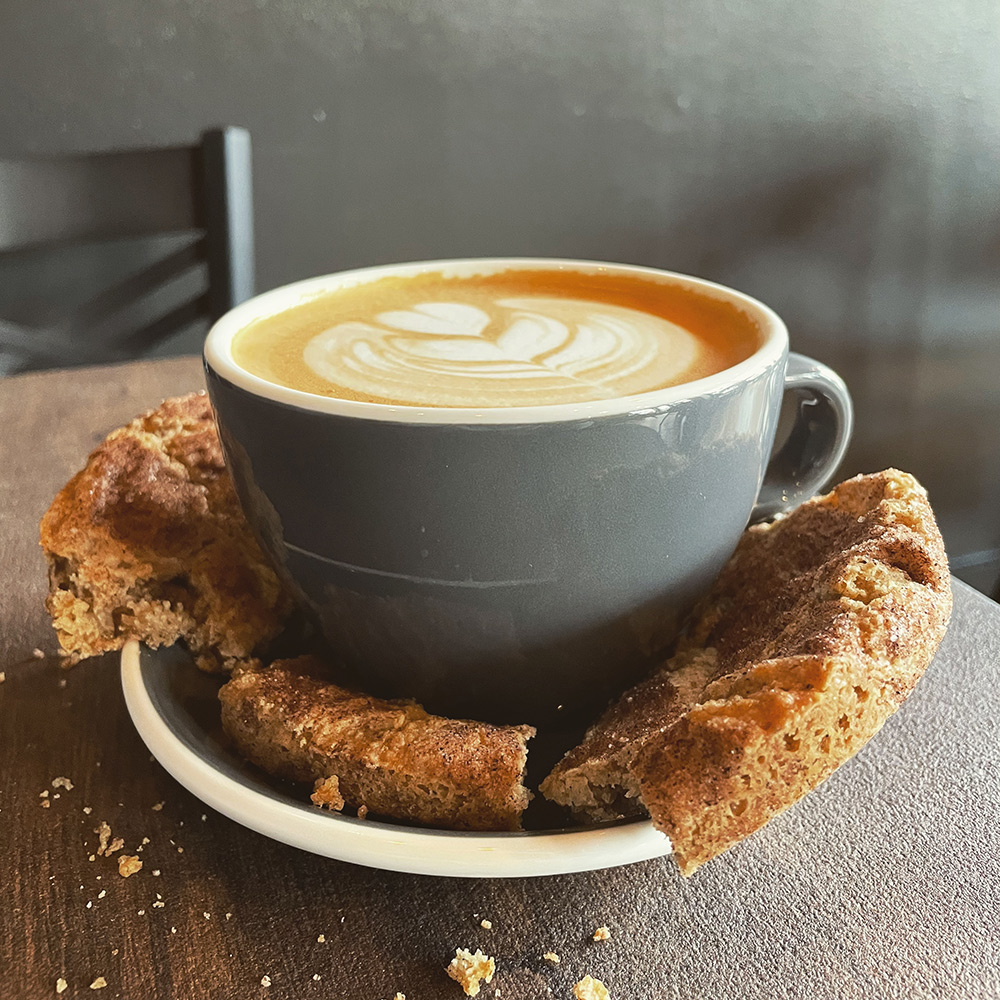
(62, 783)
(551, 956)
(158, 806)
(87, 810)
(326, 794)
(102, 894)
(46, 804)
(229, 916)
(321, 939)
(487, 925)
(128, 864)
(3, 677)
(399, 996)
(207, 915)
(265, 980)
(602, 934)
(104, 833)
(591, 989)
(159, 904)
(99, 983)
(61, 984)
(156, 871)
(363, 814)
(469, 970)
(37, 654)
(316, 977)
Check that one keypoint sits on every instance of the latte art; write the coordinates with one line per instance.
(517, 337)
(529, 350)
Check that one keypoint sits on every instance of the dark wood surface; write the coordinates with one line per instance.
(882, 884)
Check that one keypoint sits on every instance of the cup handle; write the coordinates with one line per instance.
(817, 442)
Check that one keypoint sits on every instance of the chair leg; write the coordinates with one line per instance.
(227, 205)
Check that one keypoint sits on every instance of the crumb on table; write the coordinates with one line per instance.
(551, 956)
(602, 934)
(590, 989)
(469, 970)
(104, 833)
(128, 864)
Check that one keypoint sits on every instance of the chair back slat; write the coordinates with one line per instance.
(96, 197)
(94, 317)
(165, 326)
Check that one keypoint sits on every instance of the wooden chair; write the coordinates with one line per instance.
(204, 190)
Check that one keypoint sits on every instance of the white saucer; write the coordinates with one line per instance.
(175, 709)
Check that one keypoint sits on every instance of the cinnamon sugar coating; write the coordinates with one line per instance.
(391, 757)
(815, 632)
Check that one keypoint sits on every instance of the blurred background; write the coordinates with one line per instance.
(839, 160)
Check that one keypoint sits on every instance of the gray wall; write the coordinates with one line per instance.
(839, 160)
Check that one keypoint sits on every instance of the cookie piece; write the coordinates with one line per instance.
(813, 635)
(148, 542)
(388, 756)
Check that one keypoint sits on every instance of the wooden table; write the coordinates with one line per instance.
(884, 883)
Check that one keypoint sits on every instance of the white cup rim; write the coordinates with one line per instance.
(218, 346)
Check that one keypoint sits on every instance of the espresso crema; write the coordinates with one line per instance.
(513, 338)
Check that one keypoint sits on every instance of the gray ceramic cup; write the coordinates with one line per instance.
(518, 563)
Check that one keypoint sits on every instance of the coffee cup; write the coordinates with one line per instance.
(526, 558)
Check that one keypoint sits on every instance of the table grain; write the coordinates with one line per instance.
(884, 883)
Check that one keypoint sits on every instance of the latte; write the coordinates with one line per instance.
(512, 338)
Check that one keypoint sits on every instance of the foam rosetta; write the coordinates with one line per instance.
(511, 338)
(526, 350)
